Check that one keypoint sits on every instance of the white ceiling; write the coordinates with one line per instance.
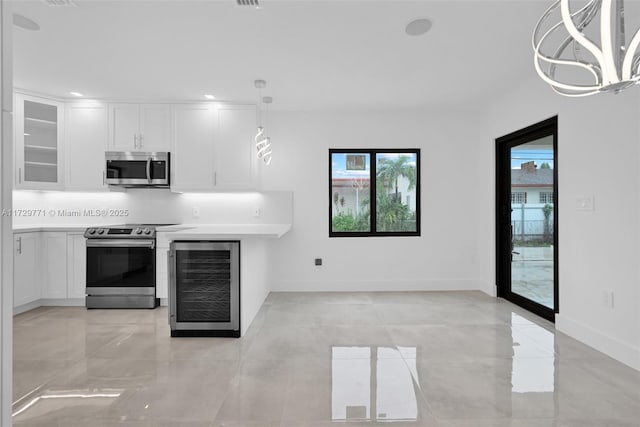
(347, 54)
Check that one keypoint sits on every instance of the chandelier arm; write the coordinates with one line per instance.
(557, 84)
(579, 37)
(555, 60)
(611, 73)
(574, 94)
(544, 17)
(630, 57)
(587, 13)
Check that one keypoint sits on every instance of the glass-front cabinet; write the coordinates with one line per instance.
(39, 132)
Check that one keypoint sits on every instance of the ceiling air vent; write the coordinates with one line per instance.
(248, 3)
(60, 3)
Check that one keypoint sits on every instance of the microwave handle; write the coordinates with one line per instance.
(149, 170)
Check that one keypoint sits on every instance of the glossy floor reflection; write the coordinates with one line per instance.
(442, 359)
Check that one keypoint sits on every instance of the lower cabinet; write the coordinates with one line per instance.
(49, 269)
(26, 280)
(54, 278)
(76, 265)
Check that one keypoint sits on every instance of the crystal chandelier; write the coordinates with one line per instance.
(579, 58)
(263, 142)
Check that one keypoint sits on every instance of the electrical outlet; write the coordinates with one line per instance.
(196, 212)
(585, 204)
(608, 298)
(318, 261)
(256, 212)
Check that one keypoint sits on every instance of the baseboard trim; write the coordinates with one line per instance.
(378, 285)
(26, 307)
(619, 350)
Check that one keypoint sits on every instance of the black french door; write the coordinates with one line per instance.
(527, 218)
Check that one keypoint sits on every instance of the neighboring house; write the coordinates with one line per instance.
(531, 190)
(349, 193)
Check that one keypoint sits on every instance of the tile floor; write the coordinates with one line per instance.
(437, 359)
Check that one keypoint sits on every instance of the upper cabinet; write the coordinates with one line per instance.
(213, 147)
(139, 127)
(39, 132)
(234, 152)
(85, 144)
(192, 147)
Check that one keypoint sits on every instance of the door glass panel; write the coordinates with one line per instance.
(203, 292)
(532, 213)
(40, 142)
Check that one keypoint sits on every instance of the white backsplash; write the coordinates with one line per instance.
(150, 206)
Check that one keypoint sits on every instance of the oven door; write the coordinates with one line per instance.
(121, 267)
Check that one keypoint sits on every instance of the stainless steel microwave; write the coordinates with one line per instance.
(137, 169)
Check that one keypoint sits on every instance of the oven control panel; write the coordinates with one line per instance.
(129, 232)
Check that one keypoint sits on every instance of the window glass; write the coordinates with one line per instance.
(350, 189)
(396, 175)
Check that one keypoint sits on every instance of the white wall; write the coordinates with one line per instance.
(599, 157)
(444, 257)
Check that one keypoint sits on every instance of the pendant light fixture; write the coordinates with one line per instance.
(263, 142)
(581, 55)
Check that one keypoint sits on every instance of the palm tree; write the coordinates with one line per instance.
(391, 170)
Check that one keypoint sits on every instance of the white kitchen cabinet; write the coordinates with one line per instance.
(192, 147)
(234, 152)
(26, 268)
(213, 147)
(85, 144)
(39, 135)
(76, 265)
(139, 127)
(54, 254)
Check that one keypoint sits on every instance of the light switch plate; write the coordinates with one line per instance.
(585, 204)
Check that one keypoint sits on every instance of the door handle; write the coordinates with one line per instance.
(19, 175)
(19, 250)
(149, 170)
(135, 140)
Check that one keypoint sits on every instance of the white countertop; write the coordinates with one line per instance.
(225, 231)
(61, 228)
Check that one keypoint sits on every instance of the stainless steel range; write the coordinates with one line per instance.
(121, 266)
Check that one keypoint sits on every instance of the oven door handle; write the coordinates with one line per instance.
(121, 243)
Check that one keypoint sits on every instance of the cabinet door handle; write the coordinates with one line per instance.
(215, 178)
(104, 178)
(140, 140)
(19, 175)
(135, 140)
(19, 245)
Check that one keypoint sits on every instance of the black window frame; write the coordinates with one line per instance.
(373, 191)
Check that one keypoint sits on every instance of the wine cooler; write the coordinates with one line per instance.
(204, 288)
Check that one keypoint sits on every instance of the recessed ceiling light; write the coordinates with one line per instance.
(208, 96)
(25, 23)
(418, 27)
(75, 93)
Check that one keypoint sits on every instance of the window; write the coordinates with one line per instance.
(546, 197)
(518, 197)
(393, 176)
